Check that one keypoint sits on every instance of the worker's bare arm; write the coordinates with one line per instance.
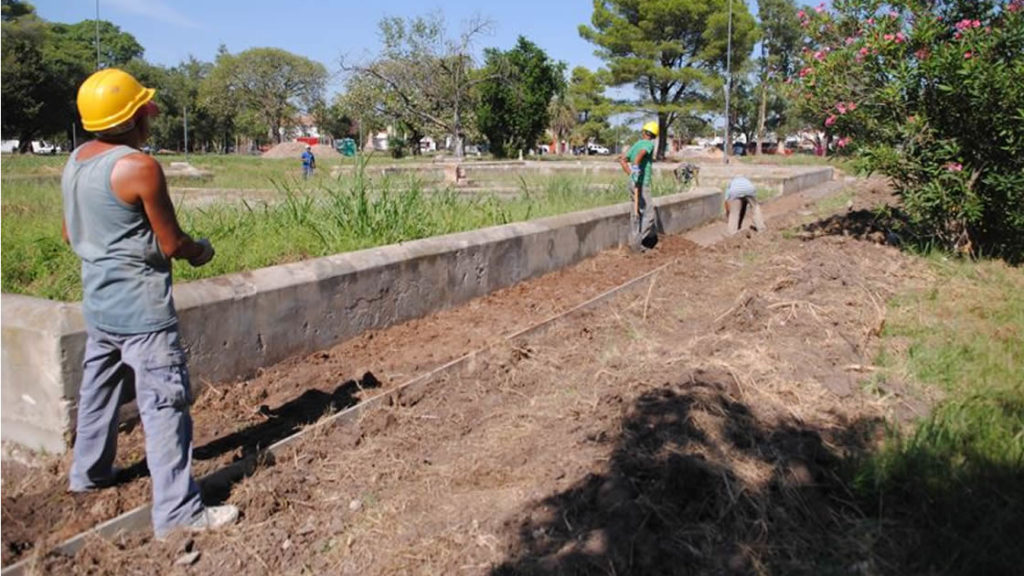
(138, 178)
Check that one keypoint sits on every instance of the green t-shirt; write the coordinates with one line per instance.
(645, 163)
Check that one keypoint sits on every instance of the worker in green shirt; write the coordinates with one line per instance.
(637, 163)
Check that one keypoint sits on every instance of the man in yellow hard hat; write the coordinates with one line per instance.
(119, 219)
(637, 163)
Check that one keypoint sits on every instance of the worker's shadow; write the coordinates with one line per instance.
(279, 423)
(287, 419)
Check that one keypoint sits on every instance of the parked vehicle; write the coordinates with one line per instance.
(44, 147)
(597, 149)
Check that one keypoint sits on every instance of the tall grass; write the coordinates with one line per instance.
(950, 492)
(307, 219)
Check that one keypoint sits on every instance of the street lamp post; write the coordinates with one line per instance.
(727, 141)
(97, 34)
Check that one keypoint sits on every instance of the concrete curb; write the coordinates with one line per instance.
(238, 323)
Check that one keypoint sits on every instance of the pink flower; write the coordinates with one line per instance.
(820, 8)
(851, 106)
(864, 51)
(893, 14)
(871, 20)
(900, 37)
(844, 142)
(801, 14)
(806, 71)
(968, 55)
(819, 55)
(830, 120)
(976, 24)
(841, 108)
(954, 167)
(958, 35)
(850, 40)
(888, 37)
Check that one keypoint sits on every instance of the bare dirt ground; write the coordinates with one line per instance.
(232, 420)
(695, 421)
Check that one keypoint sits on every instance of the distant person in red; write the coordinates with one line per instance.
(308, 162)
(119, 220)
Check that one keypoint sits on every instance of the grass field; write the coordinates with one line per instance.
(307, 219)
(955, 477)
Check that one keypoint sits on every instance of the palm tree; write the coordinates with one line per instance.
(563, 119)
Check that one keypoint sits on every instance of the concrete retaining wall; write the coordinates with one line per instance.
(237, 323)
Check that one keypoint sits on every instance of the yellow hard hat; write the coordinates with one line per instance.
(651, 127)
(110, 98)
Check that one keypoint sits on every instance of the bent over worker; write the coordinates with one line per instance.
(741, 199)
(637, 163)
(119, 220)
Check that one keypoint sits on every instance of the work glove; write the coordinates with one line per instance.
(205, 256)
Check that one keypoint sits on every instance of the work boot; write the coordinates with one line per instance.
(213, 518)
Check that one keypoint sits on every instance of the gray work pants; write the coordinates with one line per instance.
(641, 226)
(155, 362)
(738, 208)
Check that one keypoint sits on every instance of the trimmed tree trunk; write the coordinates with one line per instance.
(760, 117)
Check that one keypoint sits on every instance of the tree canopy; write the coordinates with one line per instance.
(422, 78)
(43, 65)
(515, 98)
(272, 84)
(672, 51)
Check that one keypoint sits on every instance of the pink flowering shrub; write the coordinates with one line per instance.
(931, 94)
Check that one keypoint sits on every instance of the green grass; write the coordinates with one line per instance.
(949, 492)
(309, 219)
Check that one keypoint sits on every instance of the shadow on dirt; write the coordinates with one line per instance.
(668, 504)
(878, 226)
(287, 419)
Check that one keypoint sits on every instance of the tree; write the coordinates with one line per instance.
(271, 83)
(43, 65)
(586, 97)
(563, 119)
(516, 94)
(929, 94)
(422, 78)
(669, 50)
(780, 42)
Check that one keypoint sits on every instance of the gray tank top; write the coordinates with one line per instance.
(126, 279)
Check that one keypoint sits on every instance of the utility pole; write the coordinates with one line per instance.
(185, 116)
(727, 141)
(97, 34)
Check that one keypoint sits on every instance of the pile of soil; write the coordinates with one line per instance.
(696, 421)
(295, 149)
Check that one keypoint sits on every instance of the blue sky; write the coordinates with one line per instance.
(323, 30)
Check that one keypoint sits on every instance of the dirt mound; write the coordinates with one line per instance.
(294, 150)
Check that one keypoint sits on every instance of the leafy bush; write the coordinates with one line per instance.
(931, 94)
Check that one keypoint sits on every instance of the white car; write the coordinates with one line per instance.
(44, 147)
(597, 149)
